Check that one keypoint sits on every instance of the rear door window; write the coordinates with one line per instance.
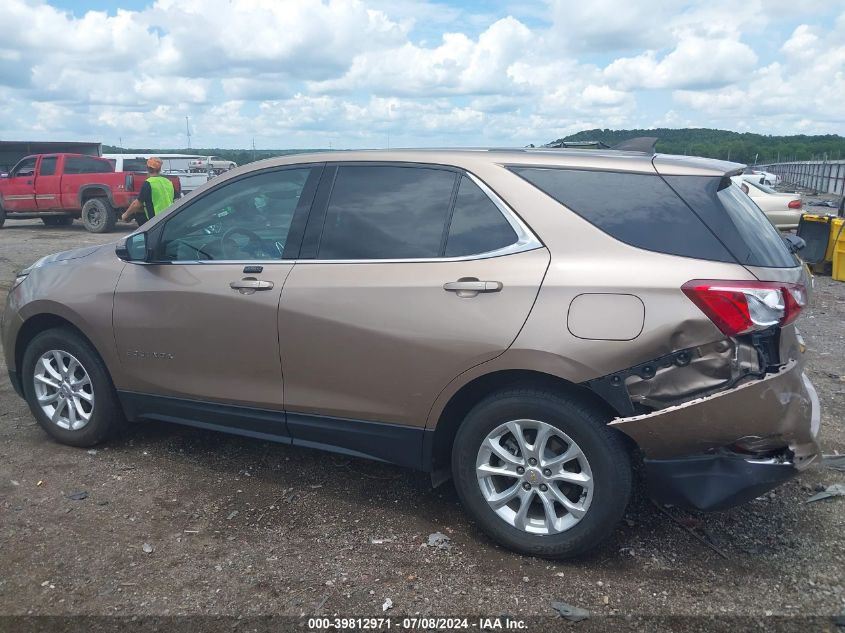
(48, 166)
(477, 225)
(387, 212)
(638, 209)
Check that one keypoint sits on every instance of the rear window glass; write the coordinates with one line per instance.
(48, 166)
(638, 209)
(733, 216)
(135, 164)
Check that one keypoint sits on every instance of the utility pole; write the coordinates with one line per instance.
(188, 131)
(253, 149)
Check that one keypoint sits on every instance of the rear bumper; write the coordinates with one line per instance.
(776, 412)
(714, 482)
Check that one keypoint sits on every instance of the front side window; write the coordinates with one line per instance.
(247, 219)
(24, 168)
(387, 212)
(477, 225)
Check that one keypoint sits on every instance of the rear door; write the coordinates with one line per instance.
(47, 184)
(200, 324)
(19, 187)
(409, 275)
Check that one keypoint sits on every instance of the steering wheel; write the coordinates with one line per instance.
(255, 243)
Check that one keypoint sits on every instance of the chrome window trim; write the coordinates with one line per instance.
(526, 241)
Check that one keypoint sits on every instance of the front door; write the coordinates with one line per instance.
(419, 273)
(19, 187)
(201, 323)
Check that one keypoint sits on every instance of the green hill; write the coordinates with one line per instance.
(739, 147)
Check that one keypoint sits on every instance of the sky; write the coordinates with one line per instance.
(403, 73)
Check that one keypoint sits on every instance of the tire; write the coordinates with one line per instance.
(64, 220)
(98, 216)
(2, 216)
(603, 463)
(105, 415)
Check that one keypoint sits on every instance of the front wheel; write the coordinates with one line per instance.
(98, 215)
(2, 216)
(541, 472)
(69, 390)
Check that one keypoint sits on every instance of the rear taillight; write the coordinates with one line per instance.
(794, 204)
(740, 307)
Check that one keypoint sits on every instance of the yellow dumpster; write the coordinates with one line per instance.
(839, 252)
(820, 232)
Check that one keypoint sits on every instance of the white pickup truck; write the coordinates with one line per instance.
(172, 165)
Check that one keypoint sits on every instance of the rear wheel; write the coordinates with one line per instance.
(69, 390)
(98, 216)
(541, 472)
(63, 220)
(2, 216)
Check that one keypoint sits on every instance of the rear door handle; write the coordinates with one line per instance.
(470, 286)
(250, 285)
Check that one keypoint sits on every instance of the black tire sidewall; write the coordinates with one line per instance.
(2, 216)
(608, 458)
(105, 209)
(107, 416)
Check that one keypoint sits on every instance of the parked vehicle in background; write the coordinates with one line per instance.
(171, 165)
(60, 187)
(521, 321)
(212, 163)
(765, 177)
(783, 209)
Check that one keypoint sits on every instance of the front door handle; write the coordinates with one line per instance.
(470, 286)
(249, 285)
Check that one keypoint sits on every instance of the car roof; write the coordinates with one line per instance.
(603, 159)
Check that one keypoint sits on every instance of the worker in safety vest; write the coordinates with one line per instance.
(155, 196)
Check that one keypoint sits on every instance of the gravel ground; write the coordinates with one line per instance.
(178, 521)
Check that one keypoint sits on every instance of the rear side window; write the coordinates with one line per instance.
(638, 209)
(385, 212)
(48, 166)
(733, 216)
(477, 224)
(87, 165)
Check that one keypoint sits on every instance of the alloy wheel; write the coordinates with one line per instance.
(534, 476)
(64, 390)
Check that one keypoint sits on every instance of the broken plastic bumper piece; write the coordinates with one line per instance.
(721, 450)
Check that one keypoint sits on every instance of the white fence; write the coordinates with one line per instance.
(823, 176)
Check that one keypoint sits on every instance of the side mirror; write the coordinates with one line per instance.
(134, 249)
(794, 243)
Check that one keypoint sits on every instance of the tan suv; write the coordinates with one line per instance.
(526, 322)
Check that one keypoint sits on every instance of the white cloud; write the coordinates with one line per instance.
(696, 61)
(350, 72)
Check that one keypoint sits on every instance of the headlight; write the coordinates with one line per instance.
(20, 276)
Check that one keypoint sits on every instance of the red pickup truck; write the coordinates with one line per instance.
(60, 187)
